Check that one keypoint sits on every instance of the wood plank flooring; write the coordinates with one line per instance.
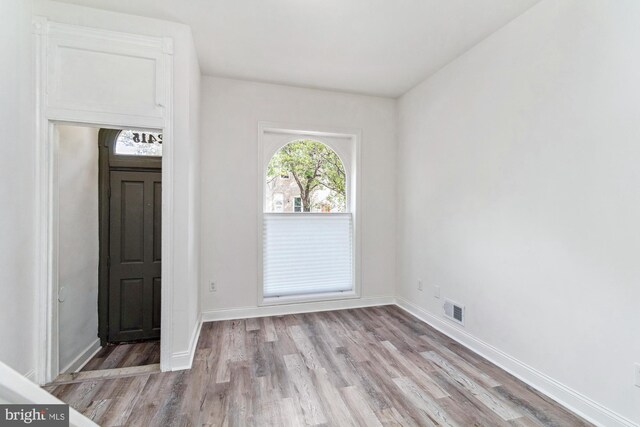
(125, 356)
(100, 374)
(375, 366)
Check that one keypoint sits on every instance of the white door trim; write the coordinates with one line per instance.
(46, 197)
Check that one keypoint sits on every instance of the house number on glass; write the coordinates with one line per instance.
(132, 142)
(147, 138)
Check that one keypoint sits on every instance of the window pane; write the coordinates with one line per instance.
(139, 143)
(309, 176)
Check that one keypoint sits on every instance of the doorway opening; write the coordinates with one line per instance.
(130, 235)
(109, 281)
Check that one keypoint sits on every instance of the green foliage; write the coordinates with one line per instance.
(313, 165)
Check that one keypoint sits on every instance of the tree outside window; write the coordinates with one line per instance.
(311, 177)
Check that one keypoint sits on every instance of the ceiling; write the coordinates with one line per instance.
(375, 47)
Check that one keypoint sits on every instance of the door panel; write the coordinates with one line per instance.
(135, 263)
(131, 303)
(132, 221)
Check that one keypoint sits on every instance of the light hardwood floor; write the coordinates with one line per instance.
(367, 367)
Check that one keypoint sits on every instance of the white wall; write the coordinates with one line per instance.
(231, 110)
(17, 216)
(78, 240)
(519, 186)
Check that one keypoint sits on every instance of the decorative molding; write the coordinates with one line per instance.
(184, 359)
(565, 396)
(83, 358)
(309, 307)
(168, 255)
(104, 119)
(48, 38)
(46, 344)
(131, 41)
(39, 25)
(86, 42)
(167, 45)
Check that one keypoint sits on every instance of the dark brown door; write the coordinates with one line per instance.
(134, 255)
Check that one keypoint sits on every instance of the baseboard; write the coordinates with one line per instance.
(184, 359)
(82, 359)
(567, 397)
(295, 308)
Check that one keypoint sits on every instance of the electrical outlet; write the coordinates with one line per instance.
(212, 287)
(637, 366)
(419, 285)
(436, 291)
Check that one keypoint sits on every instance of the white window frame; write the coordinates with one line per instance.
(294, 204)
(349, 153)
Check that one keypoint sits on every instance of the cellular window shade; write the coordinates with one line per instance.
(307, 253)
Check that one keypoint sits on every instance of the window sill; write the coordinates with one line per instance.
(307, 298)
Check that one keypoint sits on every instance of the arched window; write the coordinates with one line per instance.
(306, 176)
(138, 143)
(308, 248)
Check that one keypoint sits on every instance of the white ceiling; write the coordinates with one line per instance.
(376, 47)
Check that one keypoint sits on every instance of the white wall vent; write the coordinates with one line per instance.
(454, 311)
